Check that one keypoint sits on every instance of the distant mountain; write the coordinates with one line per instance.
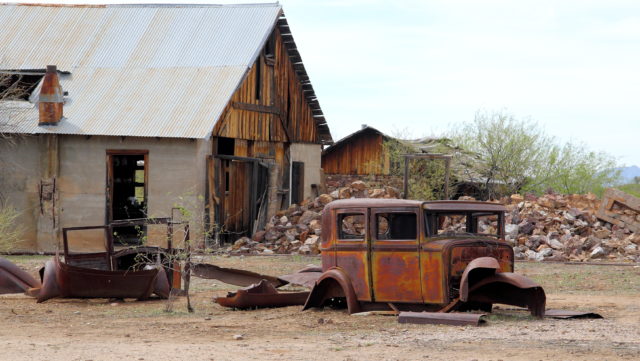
(627, 173)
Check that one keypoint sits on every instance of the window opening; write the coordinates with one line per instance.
(270, 50)
(397, 226)
(474, 223)
(226, 146)
(452, 223)
(258, 79)
(18, 85)
(351, 226)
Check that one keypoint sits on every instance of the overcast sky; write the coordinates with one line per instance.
(422, 65)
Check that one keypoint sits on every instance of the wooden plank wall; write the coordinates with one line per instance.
(360, 155)
(284, 116)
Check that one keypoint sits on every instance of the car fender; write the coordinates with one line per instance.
(333, 283)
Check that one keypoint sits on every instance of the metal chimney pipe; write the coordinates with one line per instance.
(51, 99)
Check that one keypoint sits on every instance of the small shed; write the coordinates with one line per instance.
(359, 153)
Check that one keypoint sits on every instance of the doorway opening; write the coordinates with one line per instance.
(127, 193)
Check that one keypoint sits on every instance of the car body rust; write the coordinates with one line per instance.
(414, 255)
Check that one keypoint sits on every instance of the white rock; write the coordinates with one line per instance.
(597, 252)
(511, 230)
(556, 244)
(545, 252)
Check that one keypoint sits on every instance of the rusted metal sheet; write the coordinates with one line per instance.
(262, 294)
(63, 280)
(566, 314)
(15, 280)
(305, 277)
(233, 276)
(436, 318)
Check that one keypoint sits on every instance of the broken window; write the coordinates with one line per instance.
(270, 50)
(258, 82)
(19, 85)
(351, 226)
(398, 226)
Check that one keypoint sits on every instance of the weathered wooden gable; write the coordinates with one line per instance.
(270, 104)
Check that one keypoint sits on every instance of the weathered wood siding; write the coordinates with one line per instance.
(275, 110)
(361, 155)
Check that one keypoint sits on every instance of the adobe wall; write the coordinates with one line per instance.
(176, 176)
(310, 154)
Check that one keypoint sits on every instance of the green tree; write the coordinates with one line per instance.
(509, 153)
(516, 155)
(573, 168)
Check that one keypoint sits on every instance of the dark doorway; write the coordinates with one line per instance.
(127, 193)
(297, 182)
(241, 185)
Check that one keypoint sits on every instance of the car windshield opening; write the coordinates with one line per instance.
(463, 223)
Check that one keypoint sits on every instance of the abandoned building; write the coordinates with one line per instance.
(129, 111)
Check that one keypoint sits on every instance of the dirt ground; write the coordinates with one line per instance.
(99, 329)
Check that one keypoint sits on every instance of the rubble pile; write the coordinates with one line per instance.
(567, 228)
(551, 227)
(297, 230)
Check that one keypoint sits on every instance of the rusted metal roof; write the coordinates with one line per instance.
(138, 70)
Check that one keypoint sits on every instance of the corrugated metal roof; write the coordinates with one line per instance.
(136, 70)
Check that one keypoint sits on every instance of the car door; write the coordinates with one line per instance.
(395, 256)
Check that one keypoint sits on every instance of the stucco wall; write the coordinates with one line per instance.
(310, 154)
(176, 177)
(19, 179)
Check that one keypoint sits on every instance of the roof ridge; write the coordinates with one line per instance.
(144, 5)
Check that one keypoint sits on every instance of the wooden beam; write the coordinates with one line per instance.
(256, 108)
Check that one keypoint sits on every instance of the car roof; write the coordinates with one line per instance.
(449, 206)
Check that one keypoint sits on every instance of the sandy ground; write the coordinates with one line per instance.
(100, 329)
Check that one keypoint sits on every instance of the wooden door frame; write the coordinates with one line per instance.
(109, 180)
(219, 190)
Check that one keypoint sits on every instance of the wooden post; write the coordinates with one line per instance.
(406, 177)
(447, 167)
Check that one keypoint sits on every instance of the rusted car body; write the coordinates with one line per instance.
(135, 272)
(413, 255)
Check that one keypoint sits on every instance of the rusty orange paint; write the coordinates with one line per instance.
(396, 276)
(432, 278)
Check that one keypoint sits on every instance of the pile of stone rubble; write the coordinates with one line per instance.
(547, 228)
(297, 230)
(567, 228)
